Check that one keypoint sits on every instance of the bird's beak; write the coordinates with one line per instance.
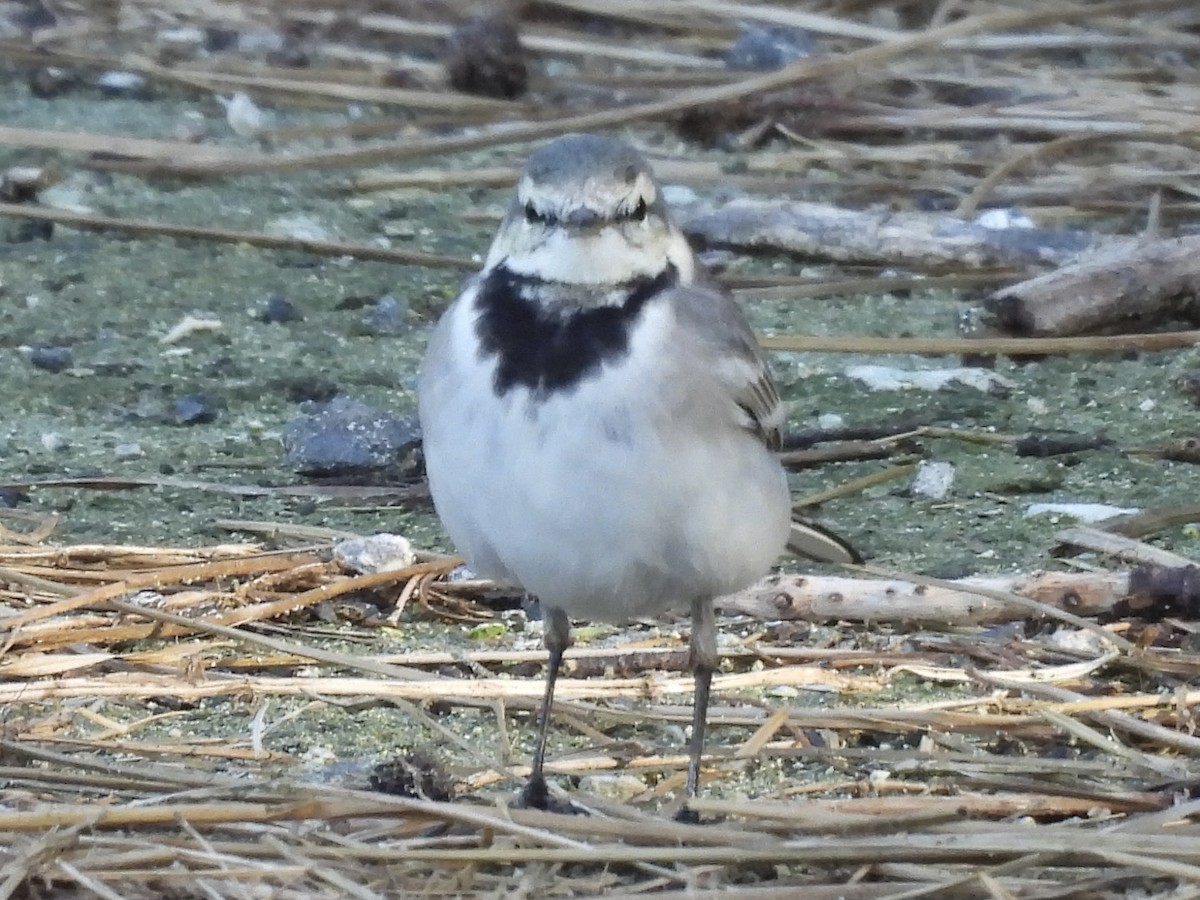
(582, 219)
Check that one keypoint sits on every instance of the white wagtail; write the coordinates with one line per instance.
(599, 422)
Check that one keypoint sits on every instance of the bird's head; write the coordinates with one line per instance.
(587, 210)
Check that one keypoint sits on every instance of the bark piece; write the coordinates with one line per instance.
(1122, 283)
(913, 239)
(823, 599)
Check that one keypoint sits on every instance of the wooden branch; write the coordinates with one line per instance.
(815, 598)
(94, 222)
(1124, 282)
(915, 239)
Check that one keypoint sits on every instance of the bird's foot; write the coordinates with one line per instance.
(536, 795)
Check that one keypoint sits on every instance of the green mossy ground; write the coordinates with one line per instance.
(111, 299)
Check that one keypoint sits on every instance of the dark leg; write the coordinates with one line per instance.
(704, 663)
(557, 637)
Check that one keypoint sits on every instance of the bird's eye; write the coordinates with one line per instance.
(534, 217)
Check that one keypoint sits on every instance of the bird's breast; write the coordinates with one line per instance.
(549, 337)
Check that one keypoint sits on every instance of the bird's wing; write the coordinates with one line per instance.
(711, 318)
(715, 326)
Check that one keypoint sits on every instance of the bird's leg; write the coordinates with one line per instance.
(557, 637)
(703, 658)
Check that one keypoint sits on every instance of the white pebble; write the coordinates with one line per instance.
(890, 378)
(244, 117)
(933, 480)
(678, 195)
(1084, 512)
(1003, 219)
(374, 553)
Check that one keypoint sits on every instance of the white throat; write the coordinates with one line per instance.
(605, 257)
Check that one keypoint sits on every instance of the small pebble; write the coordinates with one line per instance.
(933, 480)
(389, 316)
(52, 359)
(676, 195)
(278, 310)
(254, 42)
(29, 16)
(1083, 512)
(194, 409)
(48, 82)
(299, 227)
(1003, 219)
(246, 119)
(128, 451)
(20, 184)
(129, 85)
(218, 39)
(374, 553)
(52, 442)
(184, 35)
(10, 497)
(306, 388)
(766, 49)
(620, 787)
(27, 230)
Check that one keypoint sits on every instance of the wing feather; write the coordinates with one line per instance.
(714, 319)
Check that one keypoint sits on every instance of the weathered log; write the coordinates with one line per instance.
(914, 239)
(1125, 282)
(818, 598)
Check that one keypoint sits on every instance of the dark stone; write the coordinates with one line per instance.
(10, 497)
(290, 56)
(485, 57)
(346, 437)
(30, 15)
(545, 349)
(19, 190)
(389, 316)
(306, 388)
(48, 82)
(52, 359)
(27, 230)
(194, 409)
(278, 310)
(218, 39)
(766, 49)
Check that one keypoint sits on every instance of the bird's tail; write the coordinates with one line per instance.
(815, 542)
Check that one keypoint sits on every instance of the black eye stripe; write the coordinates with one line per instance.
(532, 215)
(638, 214)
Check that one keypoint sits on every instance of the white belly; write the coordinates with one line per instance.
(595, 499)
